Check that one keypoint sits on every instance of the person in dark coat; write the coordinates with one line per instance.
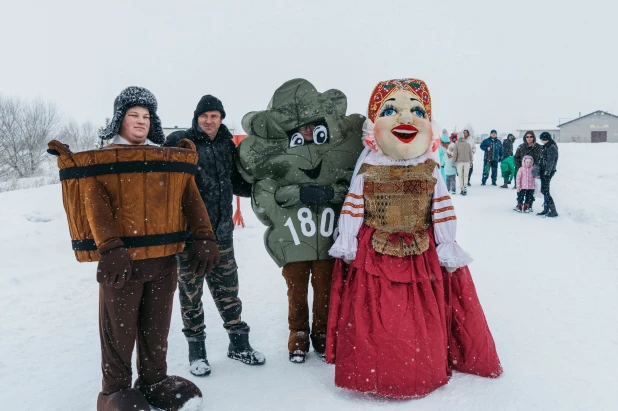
(493, 155)
(218, 180)
(508, 163)
(528, 148)
(548, 163)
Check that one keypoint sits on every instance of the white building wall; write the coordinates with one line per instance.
(579, 131)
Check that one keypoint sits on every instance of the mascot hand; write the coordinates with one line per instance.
(114, 267)
(204, 254)
(451, 269)
(316, 195)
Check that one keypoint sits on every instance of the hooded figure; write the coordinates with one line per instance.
(300, 154)
(404, 311)
(548, 163)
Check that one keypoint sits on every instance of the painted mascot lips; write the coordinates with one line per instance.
(405, 132)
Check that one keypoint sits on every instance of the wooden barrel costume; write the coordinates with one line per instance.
(145, 185)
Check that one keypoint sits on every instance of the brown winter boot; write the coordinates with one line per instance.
(505, 185)
(525, 209)
(520, 207)
(172, 394)
(298, 345)
(123, 400)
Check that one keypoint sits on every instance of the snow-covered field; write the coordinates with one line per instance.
(548, 287)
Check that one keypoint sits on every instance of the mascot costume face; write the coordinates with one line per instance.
(299, 185)
(400, 113)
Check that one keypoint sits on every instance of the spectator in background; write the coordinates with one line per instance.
(528, 148)
(508, 162)
(470, 141)
(462, 157)
(493, 155)
(444, 143)
(548, 163)
(525, 186)
(449, 169)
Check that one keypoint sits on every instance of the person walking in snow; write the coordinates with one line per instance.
(525, 186)
(548, 163)
(218, 180)
(508, 162)
(493, 155)
(470, 141)
(529, 147)
(462, 157)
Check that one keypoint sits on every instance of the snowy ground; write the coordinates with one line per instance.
(548, 287)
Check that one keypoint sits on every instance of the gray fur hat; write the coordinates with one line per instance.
(131, 97)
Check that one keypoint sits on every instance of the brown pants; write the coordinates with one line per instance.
(142, 311)
(297, 278)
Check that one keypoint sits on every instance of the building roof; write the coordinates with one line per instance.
(536, 126)
(593, 113)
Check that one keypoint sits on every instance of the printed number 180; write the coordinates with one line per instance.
(307, 225)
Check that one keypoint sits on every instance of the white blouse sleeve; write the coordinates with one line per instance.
(350, 221)
(444, 219)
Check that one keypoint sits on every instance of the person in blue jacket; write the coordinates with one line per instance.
(493, 155)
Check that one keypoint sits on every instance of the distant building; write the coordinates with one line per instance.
(538, 128)
(597, 127)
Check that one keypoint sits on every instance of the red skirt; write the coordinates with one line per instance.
(398, 326)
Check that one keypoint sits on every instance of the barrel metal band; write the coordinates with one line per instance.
(127, 167)
(137, 241)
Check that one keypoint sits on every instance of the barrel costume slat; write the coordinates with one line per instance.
(151, 215)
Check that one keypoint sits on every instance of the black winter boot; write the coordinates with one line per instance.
(240, 349)
(198, 363)
(544, 212)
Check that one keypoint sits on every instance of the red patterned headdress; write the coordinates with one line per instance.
(385, 88)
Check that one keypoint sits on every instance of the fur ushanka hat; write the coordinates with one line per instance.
(131, 97)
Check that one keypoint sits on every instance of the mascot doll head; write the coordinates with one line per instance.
(399, 119)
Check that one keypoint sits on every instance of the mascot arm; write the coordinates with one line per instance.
(100, 217)
(340, 192)
(350, 221)
(194, 209)
(288, 196)
(444, 220)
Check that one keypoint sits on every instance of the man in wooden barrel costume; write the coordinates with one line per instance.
(128, 206)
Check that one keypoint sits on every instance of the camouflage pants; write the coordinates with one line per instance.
(223, 285)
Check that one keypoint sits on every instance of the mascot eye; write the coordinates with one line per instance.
(320, 135)
(297, 140)
(388, 111)
(418, 112)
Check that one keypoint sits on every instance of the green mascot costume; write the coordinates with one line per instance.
(300, 154)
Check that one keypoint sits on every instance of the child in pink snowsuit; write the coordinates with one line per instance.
(525, 186)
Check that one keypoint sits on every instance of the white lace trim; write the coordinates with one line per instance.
(452, 255)
(345, 247)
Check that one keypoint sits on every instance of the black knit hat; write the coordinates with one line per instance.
(545, 136)
(208, 103)
(493, 131)
(132, 97)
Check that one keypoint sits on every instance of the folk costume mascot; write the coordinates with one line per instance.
(300, 154)
(404, 311)
(128, 206)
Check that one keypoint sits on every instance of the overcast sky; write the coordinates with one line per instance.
(493, 64)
